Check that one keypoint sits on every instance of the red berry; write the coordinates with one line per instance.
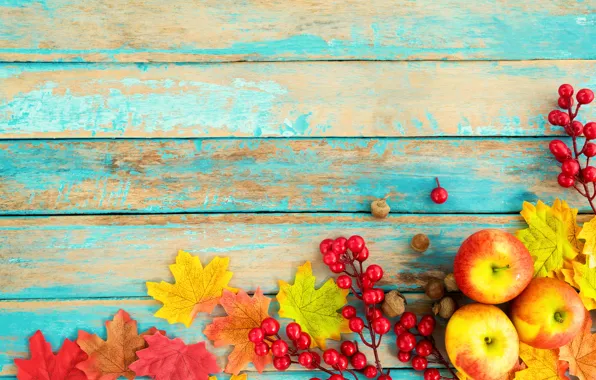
(270, 326)
(439, 195)
(336, 377)
(366, 282)
(331, 356)
(408, 320)
(337, 267)
(590, 130)
(399, 329)
(559, 149)
(570, 167)
(565, 102)
(356, 324)
(370, 297)
(373, 313)
(370, 372)
(576, 129)
(342, 362)
(424, 347)
(355, 244)
(362, 255)
(590, 150)
(256, 335)
(305, 359)
(553, 117)
(384, 377)
(565, 180)
(374, 272)
(432, 374)
(348, 348)
(261, 349)
(380, 294)
(358, 360)
(584, 96)
(279, 348)
(344, 282)
(429, 318)
(589, 174)
(404, 356)
(293, 330)
(326, 246)
(563, 119)
(282, 363)
(566, 90)
(348, 312)
(419, 363)
(406, 342)
(381, 326)
(426, 328)
(330, 258)
(303, 341)
(340, 245)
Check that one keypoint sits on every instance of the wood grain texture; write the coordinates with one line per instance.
(161, 176)
(62, 319)
(216, 30)
(286, 99)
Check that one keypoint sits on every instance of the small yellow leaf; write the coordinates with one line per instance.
(242, 376)
(588, 234)
(314, 309)
(585, 277)
(569, 217)
(541, 364)
(196, 289)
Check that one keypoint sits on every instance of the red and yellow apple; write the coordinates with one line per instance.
(548, 313)
(482, 342)
(492, 266)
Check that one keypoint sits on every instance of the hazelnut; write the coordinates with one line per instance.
(420, 243)
(394, 304)
(445, 308)
(379, 208)
(434, 289)
(450, 283)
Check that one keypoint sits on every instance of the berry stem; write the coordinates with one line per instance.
(437, 179)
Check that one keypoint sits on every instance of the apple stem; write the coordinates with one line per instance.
(488, 340)
(558, 317)
(498, 269)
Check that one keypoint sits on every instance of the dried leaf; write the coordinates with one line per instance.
(569, 217)
(315, 310)
(243, 314)
(548, 236)
(588, 234)
(110, 359)
(172, 359)
(541, 364)
(196, 289)
(585, 278)
(581, 352)
(44, 365)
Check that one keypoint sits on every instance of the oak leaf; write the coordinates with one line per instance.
(588, 235)
(243, 314)
(47, 366)
(315, 310)
(581, 352)
(548, 237)
(111, 358)
(541, 364)
(196, 289)
(166, 359)
(585, 278)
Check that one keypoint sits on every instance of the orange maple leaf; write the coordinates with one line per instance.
(109, 359)
(244, 313)
(581, 352)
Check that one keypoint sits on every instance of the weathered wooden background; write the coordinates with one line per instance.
(254, 129)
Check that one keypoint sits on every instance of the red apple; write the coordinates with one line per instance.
(548, 313)
(492, 266)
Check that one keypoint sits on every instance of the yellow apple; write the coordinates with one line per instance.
(482, 342)
(548, 313)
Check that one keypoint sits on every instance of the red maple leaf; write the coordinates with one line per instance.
(167, 359)
(45, 365)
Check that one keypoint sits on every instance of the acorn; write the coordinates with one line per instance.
(445, 308)
(379, 208)
(435, 290)
(450, 283)
(420, 243)
(394, 304)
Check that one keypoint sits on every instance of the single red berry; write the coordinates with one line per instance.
(589, 174)
(426, 328)
(565, 102)
(590, 130)
(256, 335)
(348, 348)
(559, 149)
(590, 150)
(384, 377)
(279, 348)
(336, 377)
(424, 347)
(314, 378)
(553, 117)
(399, 329)
(419, 363)
(404, 356)
(432, 374)
(261, 349)
(330, 258)
(356, 324)
(293, 330)
(428, 318)
(337, 267)
(342, 362)
(348, 312)
(563, 119)
(282, 363)
(340, 245)
(408, 320)
(570, 167)
(270, 326)
(370, 297)
(373, 313)
(316, 358)
(381, 325)
(380, 294)
(326, 246)
(566, 90)
(576, 129)
(439, 195)
(355, 244)
(585, 96)
(406, 342)
(358, 360)
(565, 180)
(303, 341)
(362, 255)
(330, 356)
(370, 372)
(374, 272)
(305, 359)
(366, 282)
(344, 282)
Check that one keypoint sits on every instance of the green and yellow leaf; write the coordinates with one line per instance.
(588, 235)
(585, 278)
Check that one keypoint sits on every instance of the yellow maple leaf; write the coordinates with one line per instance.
(588, 235)
(547, 236)
(569, 217)
(585, 277)
(541, 364)
(314, 309)
(196, 289)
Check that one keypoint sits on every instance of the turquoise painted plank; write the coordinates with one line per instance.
(286, 99)
(106, 256)
(216, 30)
(163, 176)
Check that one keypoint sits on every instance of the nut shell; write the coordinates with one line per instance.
(445, 307)
(435, 290)
(450, 283)
(420, 243)
(394, 304)
(379, 208)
